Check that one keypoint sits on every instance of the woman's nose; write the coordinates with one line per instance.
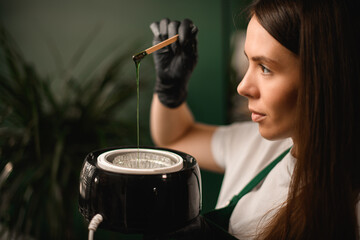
(247, 87)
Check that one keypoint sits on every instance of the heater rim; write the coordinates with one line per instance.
(108, 166)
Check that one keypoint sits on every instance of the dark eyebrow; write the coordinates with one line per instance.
(262, 59)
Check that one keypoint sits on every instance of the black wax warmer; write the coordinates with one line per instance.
(146, 190)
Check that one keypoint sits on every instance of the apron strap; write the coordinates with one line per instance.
(221, 217)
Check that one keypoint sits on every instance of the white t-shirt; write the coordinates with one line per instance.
(243, 153)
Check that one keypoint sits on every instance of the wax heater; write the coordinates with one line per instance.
(140, 190)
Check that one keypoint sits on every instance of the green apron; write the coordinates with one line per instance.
(214, 225)
(218, 219)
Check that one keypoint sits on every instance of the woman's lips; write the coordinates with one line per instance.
(257, 117)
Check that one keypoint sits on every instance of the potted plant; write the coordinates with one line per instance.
(45, 133)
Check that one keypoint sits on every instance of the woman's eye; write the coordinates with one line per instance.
(264, 69)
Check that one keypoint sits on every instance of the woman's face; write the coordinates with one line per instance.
(270, 83)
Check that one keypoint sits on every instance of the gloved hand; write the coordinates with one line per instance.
(175, 62)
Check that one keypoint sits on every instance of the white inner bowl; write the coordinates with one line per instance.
(140, 161)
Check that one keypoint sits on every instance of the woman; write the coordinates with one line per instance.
(302, 86)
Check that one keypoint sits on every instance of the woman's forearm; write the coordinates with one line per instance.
(168, 125)
(176, 128)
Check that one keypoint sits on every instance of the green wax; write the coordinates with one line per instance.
(137, 65)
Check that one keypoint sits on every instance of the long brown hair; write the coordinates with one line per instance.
(324, 190)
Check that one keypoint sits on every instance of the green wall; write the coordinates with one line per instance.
(66, 24)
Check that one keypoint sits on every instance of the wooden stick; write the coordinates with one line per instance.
(162, 44)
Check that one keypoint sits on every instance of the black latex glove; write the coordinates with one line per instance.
(174, 63)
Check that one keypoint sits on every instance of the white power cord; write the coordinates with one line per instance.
(94, 223)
